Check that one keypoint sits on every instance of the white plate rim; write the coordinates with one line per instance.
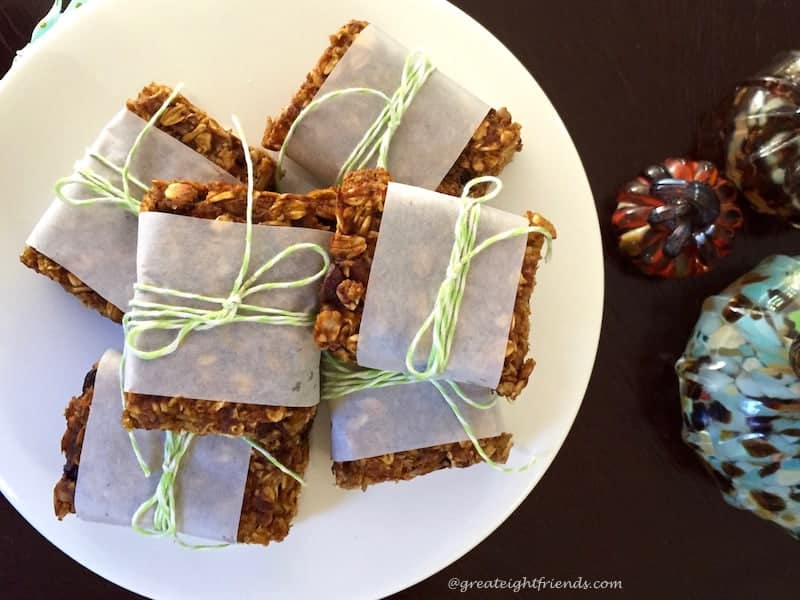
(53, 38)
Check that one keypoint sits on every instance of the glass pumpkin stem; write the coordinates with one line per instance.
(695, 194)
(690, 206)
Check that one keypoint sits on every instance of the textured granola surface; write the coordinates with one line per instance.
(275, 424)
(189, 124)
(270, 496)
(412, 463)
(76, 414)
(228, 202)
(277, 129)
(358, 216)
(490, 149)
(33, 259)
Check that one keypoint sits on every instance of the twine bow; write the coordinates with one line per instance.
(147, 316)
(339, 379)
(443, 318)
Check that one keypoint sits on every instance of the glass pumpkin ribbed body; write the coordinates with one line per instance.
(740, 391)
(762, 139)
(677, 218)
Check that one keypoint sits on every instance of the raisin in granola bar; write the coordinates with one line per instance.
(270, 496)
(358, 216)
(227, 202)
(490, 149)
(189, 124)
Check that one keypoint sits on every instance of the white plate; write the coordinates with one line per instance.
(247, 57)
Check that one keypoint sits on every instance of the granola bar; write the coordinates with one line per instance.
(406, 465)
(490, 149)
(220, 201)
(358, 216)
(185, 122)
(270, 496)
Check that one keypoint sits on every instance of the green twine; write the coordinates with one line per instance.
(137, 452)
(162, 502)
(165, 521)
(147, 316)
(340, 380)
(107, 193)
(443, 317)
(274, 461)
(378, 137)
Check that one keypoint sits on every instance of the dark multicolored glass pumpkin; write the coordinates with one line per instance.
(677, 218)
(740, 391)
(762, 139)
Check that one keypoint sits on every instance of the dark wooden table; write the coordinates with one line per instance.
(625, 499)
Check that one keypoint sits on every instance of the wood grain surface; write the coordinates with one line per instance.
(624, 499)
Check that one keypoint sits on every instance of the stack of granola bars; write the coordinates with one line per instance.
(246, 392)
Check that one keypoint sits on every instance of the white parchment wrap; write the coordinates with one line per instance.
(404, 417)
(432, 135)
(410, 263)
(240, 362)
(111, 486)
(98, 243)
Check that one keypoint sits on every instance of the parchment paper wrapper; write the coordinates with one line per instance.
(410, 264)
(111, 486)
(98, 243)
(434, 130)
(405, 417)
(240, 362)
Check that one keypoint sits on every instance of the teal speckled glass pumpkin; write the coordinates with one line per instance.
(740, 391)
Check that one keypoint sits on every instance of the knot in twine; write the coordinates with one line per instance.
(340, 380)
(147, 316)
